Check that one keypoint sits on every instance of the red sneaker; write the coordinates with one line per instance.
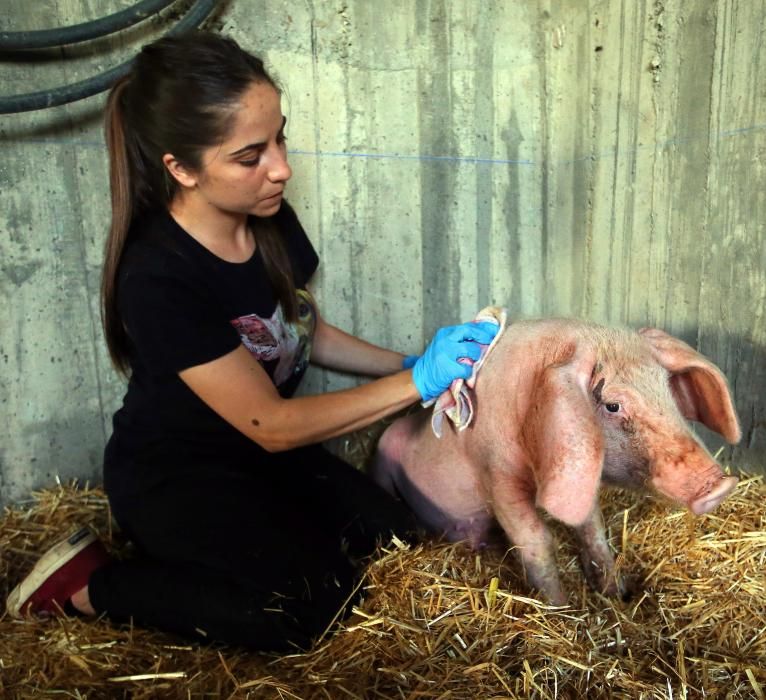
(63, 570)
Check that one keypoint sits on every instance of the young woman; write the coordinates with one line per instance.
(247, 530)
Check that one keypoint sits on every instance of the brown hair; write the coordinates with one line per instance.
(178, 98)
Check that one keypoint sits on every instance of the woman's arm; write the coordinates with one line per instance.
(335, 349)
(238, 389)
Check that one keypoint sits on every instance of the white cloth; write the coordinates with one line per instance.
(455, 403)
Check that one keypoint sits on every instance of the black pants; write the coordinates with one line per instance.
(263, 560)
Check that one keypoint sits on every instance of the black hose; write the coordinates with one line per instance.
(85, 88)
(45, 38)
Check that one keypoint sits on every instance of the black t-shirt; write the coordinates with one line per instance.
(183, 306)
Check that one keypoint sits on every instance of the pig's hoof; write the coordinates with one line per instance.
(600, 579)
(628, 589)
(558, 600)
(608, 582)
(619, 587)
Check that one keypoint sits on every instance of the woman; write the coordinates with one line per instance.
(247, 530)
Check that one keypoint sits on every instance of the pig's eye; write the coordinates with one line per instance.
(612, 407)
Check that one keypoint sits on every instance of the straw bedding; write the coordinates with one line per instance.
(439, 621)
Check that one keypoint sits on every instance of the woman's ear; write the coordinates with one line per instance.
(180, 173)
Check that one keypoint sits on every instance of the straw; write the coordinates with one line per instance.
(438, 620)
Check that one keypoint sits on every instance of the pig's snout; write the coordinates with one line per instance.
(709, 501)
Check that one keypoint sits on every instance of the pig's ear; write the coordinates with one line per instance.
(699, 387)
(565, 442)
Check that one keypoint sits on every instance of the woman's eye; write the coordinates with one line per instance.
(249, 163)
(612, 407)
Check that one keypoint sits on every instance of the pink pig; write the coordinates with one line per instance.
(561, 407)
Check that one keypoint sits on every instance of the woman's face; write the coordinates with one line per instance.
(247, 172)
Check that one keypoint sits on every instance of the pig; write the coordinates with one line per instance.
(562, 406)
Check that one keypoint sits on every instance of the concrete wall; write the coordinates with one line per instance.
(600, 159)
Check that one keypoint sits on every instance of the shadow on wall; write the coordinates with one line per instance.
(744, 364)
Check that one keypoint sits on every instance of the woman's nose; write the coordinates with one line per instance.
(280, 170)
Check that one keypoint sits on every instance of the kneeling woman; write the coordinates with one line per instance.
(247, 530)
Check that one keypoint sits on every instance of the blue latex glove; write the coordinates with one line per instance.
(438, 366)
(409, 361)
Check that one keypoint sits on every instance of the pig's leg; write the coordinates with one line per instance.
(596, 556)
(386, 463)
(389, 473)
(516, 513)
(382, 470)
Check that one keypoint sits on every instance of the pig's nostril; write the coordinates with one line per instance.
(718, 493)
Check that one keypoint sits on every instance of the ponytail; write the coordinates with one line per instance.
(276, 263)
(122, 216)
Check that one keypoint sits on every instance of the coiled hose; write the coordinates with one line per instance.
(53, 97)
(46, 38)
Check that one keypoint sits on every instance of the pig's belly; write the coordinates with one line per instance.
(448, 502)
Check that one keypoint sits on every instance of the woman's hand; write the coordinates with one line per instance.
(440, 365)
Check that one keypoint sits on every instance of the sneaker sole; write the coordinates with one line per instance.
(53, 559)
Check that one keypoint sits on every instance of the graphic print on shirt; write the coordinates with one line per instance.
(282, 348)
